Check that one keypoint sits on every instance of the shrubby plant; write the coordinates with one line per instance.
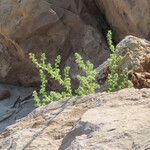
(117, 79)
(87, 83)
(53, 72)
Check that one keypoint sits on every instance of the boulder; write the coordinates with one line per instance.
(55, 27)
(127, 17)
(118, 121)
(15, 67)
(136, 54)
(136, 57)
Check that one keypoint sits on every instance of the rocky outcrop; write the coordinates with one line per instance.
(135, 50)
(136, 54)
(102, 121)
(105, 121)
(127, 17)
(15, 67)
(59, 27)
(55, 27)
(136, 57)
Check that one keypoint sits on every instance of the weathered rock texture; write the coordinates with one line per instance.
(107, 121)
(136, 53)
(15, 67)
(127, 17)
(55, 27)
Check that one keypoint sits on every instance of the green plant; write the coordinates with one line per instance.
(117, 79)
(53, 72)
(87, 82)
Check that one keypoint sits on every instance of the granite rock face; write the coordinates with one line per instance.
(136, 57)
(106, 121)
(127, 17)
(55, 27)
(63, 27)
(136, 54)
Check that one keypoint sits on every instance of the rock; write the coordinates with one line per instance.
(127, 17)
(55, 27)
(101, 75)
(102, 72)
(4, 94)
(118, 120)
(19, 104)
(140, 80)
(15, 67)
(111, 128)
(136, 53)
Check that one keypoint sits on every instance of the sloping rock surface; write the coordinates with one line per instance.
(106, 121)
(127, 17)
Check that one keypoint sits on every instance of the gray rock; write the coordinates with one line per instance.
(107, 128)
(102, 121)
(136, 58)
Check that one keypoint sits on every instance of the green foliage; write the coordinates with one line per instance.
(53, 72)
(117, 79)
(87, 82)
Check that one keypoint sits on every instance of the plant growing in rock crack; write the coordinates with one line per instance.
(87, 83)
(117, 78)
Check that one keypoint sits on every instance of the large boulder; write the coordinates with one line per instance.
(136, 54)
(127, 17)
(135, 50)
(107, 121)
(55, 27)
(136, 58)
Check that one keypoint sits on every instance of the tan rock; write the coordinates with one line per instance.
(135, 50)
(136, 54)
(54, 27)
(118, 121)
(15, 67)
(141, 77)
(136, 57)
(127, 17)
(39, 26)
